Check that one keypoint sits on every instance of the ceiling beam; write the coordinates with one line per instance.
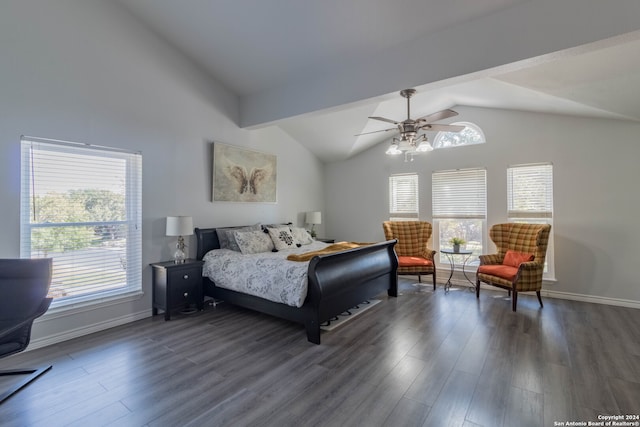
(537, 29)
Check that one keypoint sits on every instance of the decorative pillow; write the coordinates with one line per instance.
(282, 238)
(301, 236)
(227, 238)
(514, 258)
(253, 242)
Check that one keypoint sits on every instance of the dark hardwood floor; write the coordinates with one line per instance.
(424, 358)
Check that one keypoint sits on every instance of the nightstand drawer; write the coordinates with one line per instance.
(186, 286)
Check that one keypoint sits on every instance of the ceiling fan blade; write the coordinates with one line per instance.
(443, 128)
(384, 120)
(444, 114)
(376, 131)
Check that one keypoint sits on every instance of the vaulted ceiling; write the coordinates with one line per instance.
(319, 69)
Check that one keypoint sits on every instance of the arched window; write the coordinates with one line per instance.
(471, 134)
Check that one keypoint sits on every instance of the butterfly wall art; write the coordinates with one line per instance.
(242, 175)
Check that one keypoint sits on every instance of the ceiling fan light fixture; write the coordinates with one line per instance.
(410, 141)
(393, 150)
(424, 147)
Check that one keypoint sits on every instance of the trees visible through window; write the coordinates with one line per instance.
(471, 134)
(459, 200)
(403, 197)
(81, 206)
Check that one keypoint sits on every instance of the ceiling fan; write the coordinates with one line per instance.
(409, 141)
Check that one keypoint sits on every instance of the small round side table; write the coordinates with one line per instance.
(450, 254)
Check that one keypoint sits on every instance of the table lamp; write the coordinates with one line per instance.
(313, 218)
(179, 226)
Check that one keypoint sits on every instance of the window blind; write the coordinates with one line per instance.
(459, 193)
(530, 191)
(403, 196)
(81, 205)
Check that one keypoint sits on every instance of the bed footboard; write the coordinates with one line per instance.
(338, 282)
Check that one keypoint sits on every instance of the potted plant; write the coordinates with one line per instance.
(456, 242)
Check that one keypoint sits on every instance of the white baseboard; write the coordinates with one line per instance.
(591, 298)
(459, 280)
(86, 330)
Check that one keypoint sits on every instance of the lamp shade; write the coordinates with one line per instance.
(314, 218)
(179, 226)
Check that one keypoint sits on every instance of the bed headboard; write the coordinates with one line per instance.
(206, 239)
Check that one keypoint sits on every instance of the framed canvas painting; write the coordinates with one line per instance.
(242, 175)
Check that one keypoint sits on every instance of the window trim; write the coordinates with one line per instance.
(440, 135)
(133, 209)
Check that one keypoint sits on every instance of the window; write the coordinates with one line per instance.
(81, 206)
(403, 197)
(471, 134)
(530, 200)
(459, 200)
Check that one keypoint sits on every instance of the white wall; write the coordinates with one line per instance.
(87, 71)
(595, 192)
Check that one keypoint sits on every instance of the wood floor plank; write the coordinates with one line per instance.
(559, 394)
(627, 394)
(490, 397)
(452, 404)
(524, 408)
(528, 367)
(407, 413)
(424, 358)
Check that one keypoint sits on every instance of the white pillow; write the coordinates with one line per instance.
(282, 238)
(301, 235)
(253, 242)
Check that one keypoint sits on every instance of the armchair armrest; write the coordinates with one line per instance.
(529, 277)
(531, 266)
(428, 253)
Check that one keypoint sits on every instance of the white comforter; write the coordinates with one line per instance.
(266, 275)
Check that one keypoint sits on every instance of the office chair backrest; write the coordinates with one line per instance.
(24, 283)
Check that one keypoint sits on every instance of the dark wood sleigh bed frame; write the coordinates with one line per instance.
(336, 283)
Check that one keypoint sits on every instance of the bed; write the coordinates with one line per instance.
(335, 283)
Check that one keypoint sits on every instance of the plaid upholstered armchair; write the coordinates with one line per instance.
(519, 263)
(414, 257)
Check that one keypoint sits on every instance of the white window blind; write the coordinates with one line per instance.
(459, 193)
(530, 191)
(403, 197)
(81, 206)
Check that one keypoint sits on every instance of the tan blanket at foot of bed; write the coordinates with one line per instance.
(336, 247)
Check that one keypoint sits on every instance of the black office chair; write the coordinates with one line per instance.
(24, 284)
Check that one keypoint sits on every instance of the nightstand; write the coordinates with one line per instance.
(325, 240)
(177, 285)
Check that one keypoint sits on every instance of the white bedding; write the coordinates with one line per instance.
(266, 275)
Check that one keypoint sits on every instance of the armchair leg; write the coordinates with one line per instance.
(539, 298)
(419, 279)
(514, 299)
(477, 288)
(434, 280)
